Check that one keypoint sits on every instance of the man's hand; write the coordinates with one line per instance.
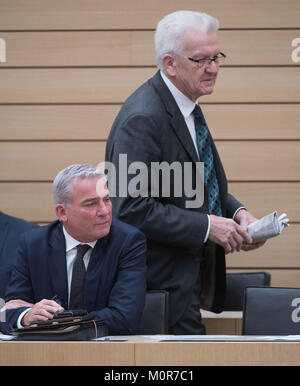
(244, 218)
(228, 233)
(42, 310)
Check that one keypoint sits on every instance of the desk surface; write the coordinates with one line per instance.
(142, 351)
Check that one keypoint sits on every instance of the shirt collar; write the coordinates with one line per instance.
(72, 243)
(186, 106)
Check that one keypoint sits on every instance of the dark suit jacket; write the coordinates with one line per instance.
(11, 229)
(151, 128)
(115, 283)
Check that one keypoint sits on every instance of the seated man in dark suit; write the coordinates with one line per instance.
(11, 229)
(108, 278)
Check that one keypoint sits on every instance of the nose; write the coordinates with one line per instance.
(213, 67)
(102, 209)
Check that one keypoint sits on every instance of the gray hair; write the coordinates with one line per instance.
(170, 31)
(61, 188)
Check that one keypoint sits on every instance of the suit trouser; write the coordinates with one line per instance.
(190, 322)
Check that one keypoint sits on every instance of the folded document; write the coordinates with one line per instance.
(267, 227)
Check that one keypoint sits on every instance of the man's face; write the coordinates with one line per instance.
(191, 80)
(89, 216)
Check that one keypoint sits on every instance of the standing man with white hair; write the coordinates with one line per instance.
(162, 122)
(84, 260)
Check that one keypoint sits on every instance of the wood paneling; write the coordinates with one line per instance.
(262, 198)
(87, 122)
(33, 200)
(261, 161)
(136, 14)
(111, 85)
(136, 48)
(31, 161)
(56, 122)
(257, 161)
(281, 251)
(71, 64)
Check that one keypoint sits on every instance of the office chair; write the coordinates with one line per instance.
(271, 311)
(236, 284)
(155, 318)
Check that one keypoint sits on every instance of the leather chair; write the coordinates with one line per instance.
(271, 311)
(236, 284)
(155, 318)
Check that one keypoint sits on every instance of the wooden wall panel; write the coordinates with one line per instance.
(71, 64)
(242, 160)
(87, 122)
(281, 251)
(136, 14)
(260, 161)
(136, 48)
(41, 161)
(262, 198)
(32, 200)
(56, 122)
(114, 85)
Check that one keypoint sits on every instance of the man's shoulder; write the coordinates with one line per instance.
(147, 100)
(16, 223)
(42, 232)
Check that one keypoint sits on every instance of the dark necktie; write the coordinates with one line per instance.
(206, 156)
(78, 278)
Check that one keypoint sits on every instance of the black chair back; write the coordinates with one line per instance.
(271, 311)
(155, 318)
(236, 284)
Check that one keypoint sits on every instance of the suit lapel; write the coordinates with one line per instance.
(176, 119)
(57, 264)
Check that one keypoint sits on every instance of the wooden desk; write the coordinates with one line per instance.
(139, 351)
(225, 323)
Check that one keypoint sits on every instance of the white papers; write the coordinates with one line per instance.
(6, 337)
(267, 227)
(224, 338)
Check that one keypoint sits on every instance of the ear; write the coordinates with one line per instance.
(169, 63)
(60, 211)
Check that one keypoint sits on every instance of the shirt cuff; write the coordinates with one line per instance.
(208, 229)
(19, 325)
(235, 213)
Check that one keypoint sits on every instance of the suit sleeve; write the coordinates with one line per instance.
(19, 287)
(160, 221)
(127, 297)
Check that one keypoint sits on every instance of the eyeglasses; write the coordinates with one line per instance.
(218, 59)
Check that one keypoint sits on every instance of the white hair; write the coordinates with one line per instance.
(170, 31)
(61, 188)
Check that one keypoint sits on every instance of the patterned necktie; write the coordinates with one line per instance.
(78, 278)
(206, 156)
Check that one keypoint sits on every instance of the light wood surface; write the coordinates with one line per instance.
(71, 64)
(87, 121)
(66, 354)
(114, 85)
(217, 354)
(151, 353)
(243, 161)
(136, 14)
(136, 48)
(224, 323)
(33, 200)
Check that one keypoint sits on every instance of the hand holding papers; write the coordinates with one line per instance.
(267, 227)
